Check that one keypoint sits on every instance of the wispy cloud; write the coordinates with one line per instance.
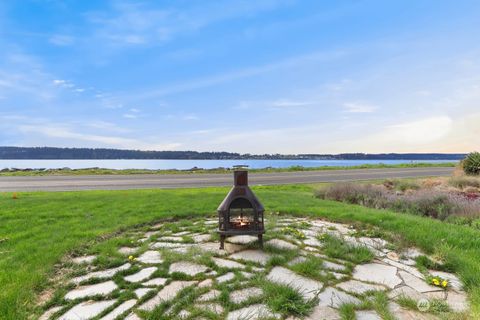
(359, 107)
(61, 40)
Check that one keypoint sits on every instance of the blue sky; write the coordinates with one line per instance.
(272, 76)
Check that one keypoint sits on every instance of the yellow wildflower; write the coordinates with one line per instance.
(130, 257)
(436, 281)
(444, 283)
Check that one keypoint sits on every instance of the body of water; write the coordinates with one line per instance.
(188, 164)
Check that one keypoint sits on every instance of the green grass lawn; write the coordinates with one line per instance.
(102, 171)
(39, 228)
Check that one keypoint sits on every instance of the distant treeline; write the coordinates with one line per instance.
(89, 153)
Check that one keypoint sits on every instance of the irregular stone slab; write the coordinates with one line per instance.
(205, 283)
(324, 313)
(141, 275)
(358, 287)
(181, 233)
(168, 293)
(406, 292)
(457, 301)
(87, 310)
(367, 315)
(188, 268)
(84, 259)
(103, 288)
(223, 263)
(405, 314)
(377, 273)
(308, 288)
(334, 266)
(297, 260)
(246, 275)
(412, 253)
(313, 242)
(453, 280)
(127, 250)
(155, 282)
(50, 312)
(257, 256)
(150, 257)
(226, 277)
(148, 234)
(212, 307)
(141, 292)
(403, 267)
(281, 244)
(168, 245)
(104, 274)
(416, 283)
(172, 239)
(244, 239)
(121, 309)
(253, 312)
(201, 238)
(210, 295)
(214, 247)
(334, 298)
(240, 296)
(132, 316)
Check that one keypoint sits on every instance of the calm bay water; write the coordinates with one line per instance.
(188, 164)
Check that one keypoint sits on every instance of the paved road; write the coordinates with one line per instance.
(121, 182)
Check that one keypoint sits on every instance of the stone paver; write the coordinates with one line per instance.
(104, 274)
(281, 244)
(377, 273)
(334, 298)
(226, 277)
(407, 292)
(141, 275)
(166, 294)
(242, 295)
(121, 309)
(229, 264)
(416, 283)
(150, 257)
(103, 288)
(188, 268)
(242, 239)
(205, 283)
(308, 288)
(50, 312)
(87, 310)
(334, 266)
(257, 256)
(212, 307)
(210, 295)
(358, 287)
(201, 238)
(405, 314)
(132, 316)
(141, 292)
(454, 281)
(457, 301)
(155, 282)
(252, 312)
(324, 313)
(313, 242)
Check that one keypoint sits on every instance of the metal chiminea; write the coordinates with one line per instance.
(240, 213)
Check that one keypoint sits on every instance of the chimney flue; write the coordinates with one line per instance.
(240, 178)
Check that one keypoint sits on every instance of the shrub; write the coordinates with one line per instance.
(471, 164)
(463, 182)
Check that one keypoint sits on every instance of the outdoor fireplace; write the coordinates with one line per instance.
(240, 213)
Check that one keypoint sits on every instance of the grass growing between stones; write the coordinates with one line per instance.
(338, 248)
(38, 229)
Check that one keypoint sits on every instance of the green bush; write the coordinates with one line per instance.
(471, 164)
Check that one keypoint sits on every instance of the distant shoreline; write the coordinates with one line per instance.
(104, 171)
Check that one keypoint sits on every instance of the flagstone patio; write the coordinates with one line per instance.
(177, 271)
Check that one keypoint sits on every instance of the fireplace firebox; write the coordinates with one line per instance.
(240, 213)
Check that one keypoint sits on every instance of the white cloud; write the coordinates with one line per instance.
(358, 107)
(61, 40)
(283, 103)
(68, 137)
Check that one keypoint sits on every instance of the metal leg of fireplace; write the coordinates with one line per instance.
(260, 240)
(222, 241)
